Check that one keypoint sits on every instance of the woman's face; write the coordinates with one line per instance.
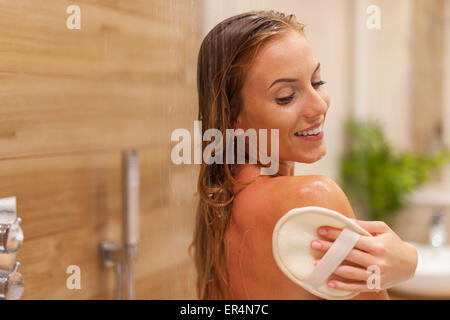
(283, 90)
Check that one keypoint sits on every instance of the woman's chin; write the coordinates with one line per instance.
(311, 157)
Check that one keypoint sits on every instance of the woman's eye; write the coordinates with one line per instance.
(317, 84)
(285, 100)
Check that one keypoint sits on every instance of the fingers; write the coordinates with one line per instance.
(331, 234)
(356, 256)
(357, 286)
(352, 273)
(374, 227)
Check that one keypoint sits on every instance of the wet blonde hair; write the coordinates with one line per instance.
(224, 57)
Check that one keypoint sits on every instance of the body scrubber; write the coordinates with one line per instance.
(291, 241)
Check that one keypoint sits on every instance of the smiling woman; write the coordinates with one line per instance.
(224, 59)
(257, 71)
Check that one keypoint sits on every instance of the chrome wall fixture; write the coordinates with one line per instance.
(123, 259)
(11, 239)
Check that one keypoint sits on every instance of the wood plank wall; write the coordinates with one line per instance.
(71, 101)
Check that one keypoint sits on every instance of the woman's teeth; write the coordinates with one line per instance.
(309, 132)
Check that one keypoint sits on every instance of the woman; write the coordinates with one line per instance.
(256, 70)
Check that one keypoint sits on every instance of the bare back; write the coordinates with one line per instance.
(253, 273)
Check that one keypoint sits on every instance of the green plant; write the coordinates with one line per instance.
(378, 178)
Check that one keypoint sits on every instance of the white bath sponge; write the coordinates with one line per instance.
(291, 241)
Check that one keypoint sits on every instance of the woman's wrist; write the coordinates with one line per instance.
(417, 260)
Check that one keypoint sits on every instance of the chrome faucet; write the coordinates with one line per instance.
(11, 239)
(11, 283)
(11, 236)
(438, 230)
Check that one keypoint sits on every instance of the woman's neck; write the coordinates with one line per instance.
(286, 168)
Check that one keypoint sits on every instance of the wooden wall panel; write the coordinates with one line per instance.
(74, 202)
(72, 100)
(105, 86)
(111, 42)
(45, 115)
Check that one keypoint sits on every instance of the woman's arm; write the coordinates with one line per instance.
(395, 260)
(255, 212)
(324, 192)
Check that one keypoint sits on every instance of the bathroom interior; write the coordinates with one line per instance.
(93, 207)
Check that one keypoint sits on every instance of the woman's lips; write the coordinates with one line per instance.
(313, 127)
(314, 137)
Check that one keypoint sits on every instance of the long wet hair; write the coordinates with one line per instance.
(224, 57)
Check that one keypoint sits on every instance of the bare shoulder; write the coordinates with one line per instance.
(248, 241)
(268, 198)
(321, 191)
(255, 211)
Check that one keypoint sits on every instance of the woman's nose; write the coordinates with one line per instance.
(314, 105)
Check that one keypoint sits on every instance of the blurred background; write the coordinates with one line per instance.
(73, 99)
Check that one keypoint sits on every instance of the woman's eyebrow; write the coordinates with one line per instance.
(317, 68)
(291, 79)
(282, 80)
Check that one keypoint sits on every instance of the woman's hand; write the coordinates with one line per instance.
(396, 260)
